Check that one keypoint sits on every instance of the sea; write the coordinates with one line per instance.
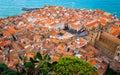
(13, 7)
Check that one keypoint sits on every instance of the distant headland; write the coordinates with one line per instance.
(91, 35)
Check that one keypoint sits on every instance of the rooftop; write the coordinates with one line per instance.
(43, 30)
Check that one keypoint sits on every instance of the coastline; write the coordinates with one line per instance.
(9, 8)
(27, 10)
(58, 31)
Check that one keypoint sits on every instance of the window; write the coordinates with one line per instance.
(118, 48)
(118, 54)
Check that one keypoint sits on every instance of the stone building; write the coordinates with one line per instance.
(59, 26)
(108, 45)
(95, 30)
(117, 54)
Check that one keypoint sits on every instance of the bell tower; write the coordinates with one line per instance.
(117, 54)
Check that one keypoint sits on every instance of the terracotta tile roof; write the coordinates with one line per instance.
(76, 25)
(10, 64)
(107, 14)
(55, 58)
(96, 51)
(36, 36)
(6, 33)
(16, 46)
(55, 40)
(54, 34)
(88, 54)
(62, 31)
(92, 23)
(4, 43)
(61, 47)
(7, 42)
(20, 30)
(11, 57)
(111, 37)
(43, 52)
(41, 23)
(81, 42)
(100, 11)
(115, 31)
(22, 44)
(103, 20)
(11, 30)
(46, 45)
(93, 62)
(1, 39)
(53, 24)
(40, 20)
(48, 21)
(70, 53)
(15, 61)
(30, 28)
(36, 16)
(29, 55)
(28, 48)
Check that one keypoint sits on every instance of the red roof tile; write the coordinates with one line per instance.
(92, 23)
(93, 62)
(6, 33)
(103, 20)
(11, 30)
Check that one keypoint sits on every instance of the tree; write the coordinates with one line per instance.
(36, 66)
(110, 71)
(41, 65)
(4, 70)
(73, 66)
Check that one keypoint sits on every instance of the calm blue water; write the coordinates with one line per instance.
(13, 7)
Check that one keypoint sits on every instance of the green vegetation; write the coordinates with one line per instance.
(41, 65)
(111, 72)
(36, 66)
(73, 66)
(4, 70)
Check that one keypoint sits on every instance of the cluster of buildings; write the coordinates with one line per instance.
(91, 35)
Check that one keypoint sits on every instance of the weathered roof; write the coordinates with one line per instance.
(111, 37)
